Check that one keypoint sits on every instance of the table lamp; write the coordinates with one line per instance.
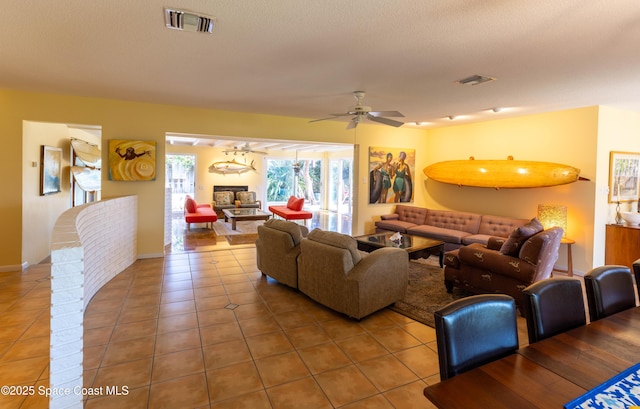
(553, 215)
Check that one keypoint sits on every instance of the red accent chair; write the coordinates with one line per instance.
(292, 210)
(198, 213)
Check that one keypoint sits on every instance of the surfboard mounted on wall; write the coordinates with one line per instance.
(502, 173)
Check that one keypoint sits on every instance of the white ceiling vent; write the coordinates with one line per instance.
(475, 80)
(188, 21)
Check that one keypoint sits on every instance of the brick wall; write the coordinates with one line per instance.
(91, 244)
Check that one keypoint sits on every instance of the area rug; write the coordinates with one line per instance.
(426, 292)
(223, 228)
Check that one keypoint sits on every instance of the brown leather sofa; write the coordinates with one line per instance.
(484, 269)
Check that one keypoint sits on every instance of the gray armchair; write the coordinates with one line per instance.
(333, 272)
(278, 248)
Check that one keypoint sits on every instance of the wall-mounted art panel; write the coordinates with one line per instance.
(132, 160)
(391, 173)
(51, 170)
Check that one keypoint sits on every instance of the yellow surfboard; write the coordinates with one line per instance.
(498, 174)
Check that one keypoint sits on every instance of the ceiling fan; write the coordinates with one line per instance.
(242, 150)
(361, 112)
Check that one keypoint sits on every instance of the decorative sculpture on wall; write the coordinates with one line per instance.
(498, 174)
(230, 166)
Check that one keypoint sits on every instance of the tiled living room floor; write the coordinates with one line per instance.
(200, 330)
(207, 330)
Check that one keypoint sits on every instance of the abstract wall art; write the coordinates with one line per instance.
(131, 160)
(51, 170)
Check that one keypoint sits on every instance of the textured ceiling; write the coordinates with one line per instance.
(303, 58)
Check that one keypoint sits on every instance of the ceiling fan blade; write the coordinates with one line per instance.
(395, 114)
(353, 123)
(385, 121)
(321, 119)
(333, 116)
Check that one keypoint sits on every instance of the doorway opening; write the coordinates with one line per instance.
(180, 179)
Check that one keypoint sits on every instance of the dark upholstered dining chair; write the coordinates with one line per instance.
(609, 290)
(475, 330)
(553, 306)
(636, 273)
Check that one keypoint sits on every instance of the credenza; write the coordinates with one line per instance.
(622, 245)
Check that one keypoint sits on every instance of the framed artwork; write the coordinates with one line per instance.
(624, 168)
(391, 173)
(132, 160)
(50, 170)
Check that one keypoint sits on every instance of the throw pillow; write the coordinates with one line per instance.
(519, 235)
(246, 197)
(190, 205)
(224, 198)
(295, 204)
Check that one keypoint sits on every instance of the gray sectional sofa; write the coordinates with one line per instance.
(454, 228)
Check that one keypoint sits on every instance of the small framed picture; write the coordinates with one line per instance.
(624, 168)
(50, 170)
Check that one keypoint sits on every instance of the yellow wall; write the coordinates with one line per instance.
(133, 120)
(567, 137)
(618, 130)
(580, 138)
(41, 212)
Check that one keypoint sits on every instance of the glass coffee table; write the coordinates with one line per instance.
(238, 215)
(416, 246)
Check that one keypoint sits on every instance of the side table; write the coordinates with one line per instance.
(569, 242)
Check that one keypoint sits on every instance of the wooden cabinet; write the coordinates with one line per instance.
(622, 245)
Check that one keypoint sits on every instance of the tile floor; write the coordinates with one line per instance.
(207, 330)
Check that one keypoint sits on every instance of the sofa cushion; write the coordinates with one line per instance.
(492, 261)
(337, 240)
(295, 230)
(190, 205)
(295, 203)
(224, 198)
(411, 214)
(446, 219)
(394, 225)
(531, 248)
(519, 235)
(438, 233)
(499, 226)
(476, 238)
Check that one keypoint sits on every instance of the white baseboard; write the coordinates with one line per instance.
(17, 267)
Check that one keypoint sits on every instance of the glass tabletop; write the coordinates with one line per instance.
(244, 212)
(407, 242)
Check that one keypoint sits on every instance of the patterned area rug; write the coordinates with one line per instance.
(426, 292)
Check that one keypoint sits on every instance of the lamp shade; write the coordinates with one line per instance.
(553, 215)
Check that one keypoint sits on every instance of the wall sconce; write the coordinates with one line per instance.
(553, 215)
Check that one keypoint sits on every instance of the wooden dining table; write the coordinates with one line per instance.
(548, 373)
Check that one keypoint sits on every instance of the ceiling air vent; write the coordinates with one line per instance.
(475, 80)
(188, 21)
